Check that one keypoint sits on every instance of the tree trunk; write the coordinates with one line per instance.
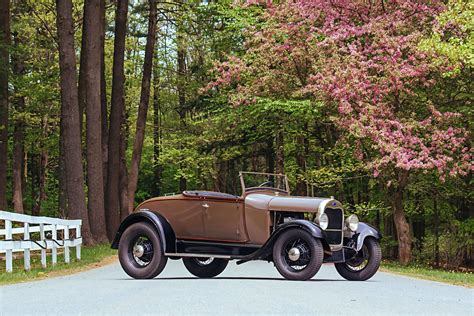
(401, 223)
(103, 92)
(4, 69)
(92, 73)
(301, 162)
(143, 107)
(279, 152)
(18, 137)
(82, 69)
(62, 194)
(35, 180)
(181, 84)
(43, 162)
(436, 231)
(123, 178)
(117, 116)
(157, 167)
(70, 118)
(270, 157)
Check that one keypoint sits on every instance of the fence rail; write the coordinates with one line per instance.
(53, 234)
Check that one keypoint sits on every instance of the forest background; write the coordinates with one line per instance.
(104, 104)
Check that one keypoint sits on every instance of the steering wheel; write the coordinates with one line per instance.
(266, 183)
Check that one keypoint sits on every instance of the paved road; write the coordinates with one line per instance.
(252, 288)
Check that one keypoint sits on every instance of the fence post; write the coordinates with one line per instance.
(43, 251)
(66, 248)
(54, 250)
(9, 252)
(26, 252)
(78, 247)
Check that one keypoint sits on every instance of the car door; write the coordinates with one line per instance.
(185, 216)
(223, 220)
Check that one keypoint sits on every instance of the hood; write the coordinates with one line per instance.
(291, 203)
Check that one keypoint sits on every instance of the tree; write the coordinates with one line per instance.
(181, 80)
(363, 61)
(157, 167)
(143, 107)
(103, 91)
(92, 74)
(18, 71)
(117, 118)
(70, 122)
(18, 68)
(4, 69)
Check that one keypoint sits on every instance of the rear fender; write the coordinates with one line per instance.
(163, 228)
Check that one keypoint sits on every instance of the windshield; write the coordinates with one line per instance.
(255, 180)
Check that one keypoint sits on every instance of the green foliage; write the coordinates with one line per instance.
(215, 140)
(453, 36)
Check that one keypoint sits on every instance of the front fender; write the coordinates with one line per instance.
(162, 226)
(266, 250)
(363, 231)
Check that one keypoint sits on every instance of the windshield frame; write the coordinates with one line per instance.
(246, 189)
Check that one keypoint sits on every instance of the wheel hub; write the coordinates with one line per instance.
(138, 251)
(294, 254)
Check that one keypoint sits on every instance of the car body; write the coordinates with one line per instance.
(214, 227)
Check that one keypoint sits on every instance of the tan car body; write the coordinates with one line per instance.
(206, 229)
(245, 219)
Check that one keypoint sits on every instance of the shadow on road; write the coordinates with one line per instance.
(241, 278)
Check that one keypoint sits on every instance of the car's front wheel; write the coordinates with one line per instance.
(298, 255)
(140, 252)
(205, 267)
(364, 264)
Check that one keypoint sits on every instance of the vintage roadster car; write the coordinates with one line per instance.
(207, 229)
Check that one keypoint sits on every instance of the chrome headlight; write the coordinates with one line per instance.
(352, 222)
(323, 221)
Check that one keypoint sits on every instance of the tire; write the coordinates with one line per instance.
(310, 256)
(205, 267)
(364, 265)
(148, 263)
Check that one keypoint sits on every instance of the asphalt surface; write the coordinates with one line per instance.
(251, 288)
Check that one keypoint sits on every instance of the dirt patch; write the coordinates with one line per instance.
(63, 272)
(104, 262)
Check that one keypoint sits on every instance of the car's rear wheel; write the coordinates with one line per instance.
(298, 255)
(364, 264)
(140, 252)
(205, 267)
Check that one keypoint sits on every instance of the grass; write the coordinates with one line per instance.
(94, 256)
(430, 273)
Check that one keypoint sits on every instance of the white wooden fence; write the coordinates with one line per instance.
(53, 234)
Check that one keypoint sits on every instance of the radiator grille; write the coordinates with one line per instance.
(335, 218)
(334, 237)
(334, 230)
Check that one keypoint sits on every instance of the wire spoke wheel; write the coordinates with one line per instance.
(297, 255)
(205, 267)
(142, 251)
(204, 261)
(360, 261)
(364, 264)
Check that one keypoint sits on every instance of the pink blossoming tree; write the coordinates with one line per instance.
(363, 60)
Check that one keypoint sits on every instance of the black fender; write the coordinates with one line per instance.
(162, 226)
(266, 251)
(365, 230)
